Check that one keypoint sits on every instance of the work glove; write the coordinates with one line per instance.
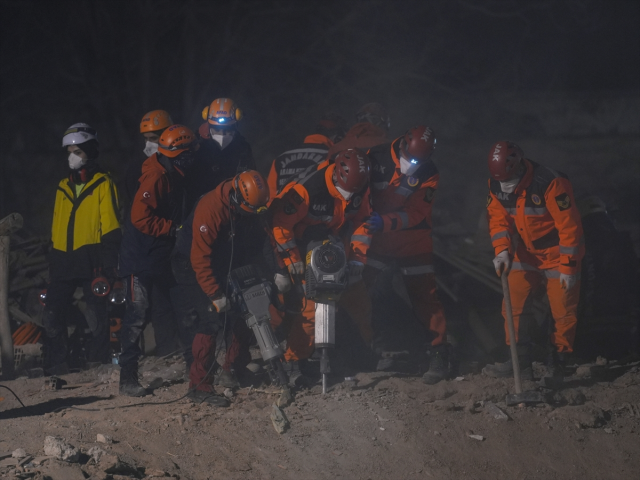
(502, 262)
(374, 223)
(355, 269)
(283, 282)
(221, 304)
(296, 268)
(567, 282)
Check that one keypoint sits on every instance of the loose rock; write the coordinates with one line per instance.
(100, 438)
(58, 448)
(19, 453)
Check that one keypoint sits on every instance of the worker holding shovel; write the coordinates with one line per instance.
(535, 205)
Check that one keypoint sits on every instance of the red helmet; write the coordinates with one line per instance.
(418, 143)
(352, 170)
(503, 161)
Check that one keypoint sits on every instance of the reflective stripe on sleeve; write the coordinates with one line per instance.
(417, 270)
(361, 238)
(569, 250)
(511, 211)
(501, 234)
(286, 246)
(404, 217)
(535, 210)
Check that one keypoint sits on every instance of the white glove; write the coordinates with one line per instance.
(567, 282)
(502, 262)
(221, 304)
(283, 282)
(296, 268)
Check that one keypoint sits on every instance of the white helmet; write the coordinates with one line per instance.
(79, 133)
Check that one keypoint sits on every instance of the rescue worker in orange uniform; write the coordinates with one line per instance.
(404, 182)
(313, 150)
(165, 329)
(148, 240)
(223, 234)
(151, 127)
(537, 236)
(333, 200)
(223, 152)
(372, 125)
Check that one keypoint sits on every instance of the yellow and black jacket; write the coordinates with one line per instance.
(86, 228)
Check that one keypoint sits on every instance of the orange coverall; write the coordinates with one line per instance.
(543, 214)
(404, 203)
(315, 201)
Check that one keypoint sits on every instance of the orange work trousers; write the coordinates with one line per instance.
(355, 301)
(420, 282)
(564, 304)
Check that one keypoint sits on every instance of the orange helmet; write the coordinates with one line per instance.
(251, 192)
(175, 140)
(155, 120)
(221, 112)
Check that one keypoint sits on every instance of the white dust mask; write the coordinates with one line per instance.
(75, 161)
(346, 195)
(407, 167)
(510, 185)
(150, 148)
(223, 139)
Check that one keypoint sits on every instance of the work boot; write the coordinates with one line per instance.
(200, 396)
(227, 379)
(129, 384)
(554, 377)
(296, 377)
(505, 370)
(438, 365)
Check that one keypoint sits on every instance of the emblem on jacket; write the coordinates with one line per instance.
(488, 200)
(146, 195)
(203, 228)
(412, 181)
(536, 199)
(563, 201)
(357, 201)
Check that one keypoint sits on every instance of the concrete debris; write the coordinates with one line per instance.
(58, 448)
(100, 438)
(480, 438)
(601, 361)
(493, 410)
(228, 393)
(96, 453)
(19, 453)
(279, 419)
(113, 464)
(285, 399)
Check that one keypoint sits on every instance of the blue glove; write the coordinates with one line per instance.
(374, 223)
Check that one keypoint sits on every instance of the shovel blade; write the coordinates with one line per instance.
(524, 397)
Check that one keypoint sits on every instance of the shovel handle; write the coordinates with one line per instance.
(512, 332)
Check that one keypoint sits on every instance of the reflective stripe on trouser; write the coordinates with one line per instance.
(355, 301)
(564, 304)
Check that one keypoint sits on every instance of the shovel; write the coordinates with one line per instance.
(519, 398)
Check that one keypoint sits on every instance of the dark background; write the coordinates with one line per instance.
(562, 78)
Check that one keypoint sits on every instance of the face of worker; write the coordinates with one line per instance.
(152, 137)
(77, 151)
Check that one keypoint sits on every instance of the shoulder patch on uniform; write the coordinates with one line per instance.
(146, 195)
(203, 228)
(563, 201)
(289, 209)
(357, 201)
(295, 196)
(429, 194)
(489, 199)
(536, 199)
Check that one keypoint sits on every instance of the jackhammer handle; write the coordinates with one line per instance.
(512, 332)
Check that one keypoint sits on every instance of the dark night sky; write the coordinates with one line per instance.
(284, 62)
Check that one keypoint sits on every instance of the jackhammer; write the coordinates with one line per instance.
(251, 293)
(326, 277)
